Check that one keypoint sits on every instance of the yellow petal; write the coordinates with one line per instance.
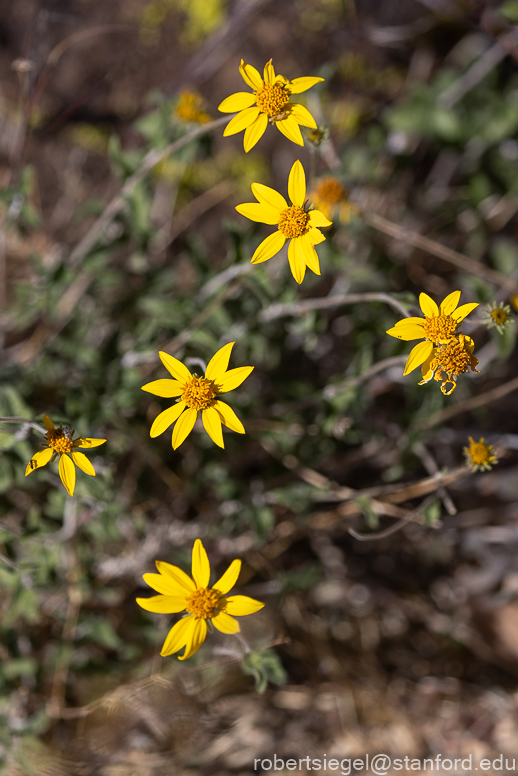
(165, 388)
(256, 211)
(240, 605)
(166, 419)
(290, 129)
(177, 636)
(200, 564)
(225, 623)
(240, 122)
(84, 464)
(317, 218)
(177, 575)
(269, 73)
(229, 417)
(236, 102)
(409, 331)
(175, 367)
(297, 184)
(229, 578)
(315, 236)
(299, 85)
(166, 585)
(212, 425)
(250, 75)
(297, 262)
(449, 304)
(39, 459)
(268, 196)
(67, 472)
(428, 306)
(426, 372)
(418, 356)
(233, 378)
(49, 425)
(268, 248)
(309, 254)
(162, 604)
(460, 313)
(183, 427)
(88, 442)
(302, 115)
(195, 638)
(219, 362)
(254, 132)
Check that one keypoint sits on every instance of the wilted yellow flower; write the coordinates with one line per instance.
(332, 198)
(190, 107)
(437, 327)
(198, 393)
(447, 362)
(295, 223)
(60, 442)
(499, 316)
(179, 593)
(479, 455)
(268, 103)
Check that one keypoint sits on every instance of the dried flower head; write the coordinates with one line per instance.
(480, 456)
(448, 361)
(499, 316)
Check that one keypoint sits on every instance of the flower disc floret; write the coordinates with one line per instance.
(202, 602)
(199, 393)
(293, 222)
(440, 329)
(272, 99)
(479, 455)
(59, 442)
(449, 361)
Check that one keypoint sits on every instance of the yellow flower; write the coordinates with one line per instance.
(268, 103)
(330, 196)
(190, 107)
(60, 442)
(446, 362)
(479, 455)
(437, 327)
(198, 393)
(295, 222)
(178, 593)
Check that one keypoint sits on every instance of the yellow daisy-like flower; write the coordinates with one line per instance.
(437, 327)
(295, 223)
(269, 103)
(198, 393)
(331, 197)
(190, 107)
(479, 455)
(60, 442)
(447, 362)
(179, 593)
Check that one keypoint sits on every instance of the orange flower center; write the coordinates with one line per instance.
(60, 440)
(199, 393)
(330, 191)
(440, 328)
(202, 602)
(480, 453)
(453, 358)
(499, 316)
(293, 222)
(272, 99)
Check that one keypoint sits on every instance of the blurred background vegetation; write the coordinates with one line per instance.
(407, 643)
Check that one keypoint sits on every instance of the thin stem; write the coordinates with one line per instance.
(299, 308)
(26, 422)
